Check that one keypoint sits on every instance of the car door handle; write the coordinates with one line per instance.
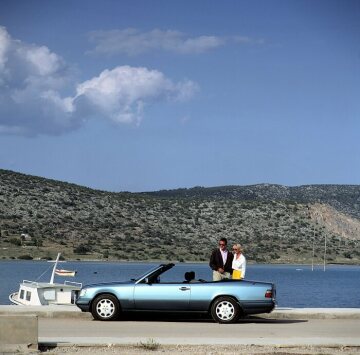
(184, 288)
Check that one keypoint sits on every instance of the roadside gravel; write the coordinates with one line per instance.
(153, 348)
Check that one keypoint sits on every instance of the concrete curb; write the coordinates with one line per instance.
(46, 311)
(278, 313)
(313, 313)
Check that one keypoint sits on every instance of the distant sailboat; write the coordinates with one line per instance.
(62, 272)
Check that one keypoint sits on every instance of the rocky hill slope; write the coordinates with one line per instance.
(39, 217)
(344, 198)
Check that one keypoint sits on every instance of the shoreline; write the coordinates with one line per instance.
(317, 265)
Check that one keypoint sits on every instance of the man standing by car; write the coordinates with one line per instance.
(221, 261)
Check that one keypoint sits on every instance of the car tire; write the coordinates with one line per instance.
(225, 310)
(105, 307)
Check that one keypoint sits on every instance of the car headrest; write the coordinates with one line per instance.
(189, 276)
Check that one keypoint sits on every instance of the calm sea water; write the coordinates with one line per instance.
(297, 285)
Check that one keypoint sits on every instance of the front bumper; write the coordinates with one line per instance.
(85, 307)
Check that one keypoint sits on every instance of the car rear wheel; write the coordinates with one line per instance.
(105, 307)
(225, 310)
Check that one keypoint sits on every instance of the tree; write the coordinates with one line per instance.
(82, 249)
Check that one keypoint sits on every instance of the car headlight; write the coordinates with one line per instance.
(82, 292)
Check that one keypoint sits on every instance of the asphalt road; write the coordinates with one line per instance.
(255, 330)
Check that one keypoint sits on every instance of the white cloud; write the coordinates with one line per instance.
(248, 40)
(133, 42)
(27, 74)
(33, 82)
(4, 45)
(121, 94)
(41, 59)
(200, 44)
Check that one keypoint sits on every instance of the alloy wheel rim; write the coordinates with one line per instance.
(105, 308)
(225, 310)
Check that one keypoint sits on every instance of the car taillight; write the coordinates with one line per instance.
(268, 294)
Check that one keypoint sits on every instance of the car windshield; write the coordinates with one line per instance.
(170, 273)
(161, 268)
(146, 273)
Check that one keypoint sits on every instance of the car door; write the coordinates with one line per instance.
(162, 296)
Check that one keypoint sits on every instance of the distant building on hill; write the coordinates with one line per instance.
(26, 237)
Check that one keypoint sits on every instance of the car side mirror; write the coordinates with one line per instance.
(147, 280)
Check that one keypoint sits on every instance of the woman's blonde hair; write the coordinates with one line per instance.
(238, 247)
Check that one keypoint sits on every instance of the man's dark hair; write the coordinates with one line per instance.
(223, 240)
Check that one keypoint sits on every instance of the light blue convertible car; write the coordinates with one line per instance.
(226, 300)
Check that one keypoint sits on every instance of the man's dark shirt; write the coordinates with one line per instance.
(216, 261)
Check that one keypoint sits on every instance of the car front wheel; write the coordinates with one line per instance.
(105, 307)
(225, 310)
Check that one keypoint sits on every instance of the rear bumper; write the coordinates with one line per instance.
(256, 307)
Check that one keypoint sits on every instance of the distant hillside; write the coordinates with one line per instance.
(344, 198)
(39, 217)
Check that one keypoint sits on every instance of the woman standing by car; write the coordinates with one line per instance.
(239, 262)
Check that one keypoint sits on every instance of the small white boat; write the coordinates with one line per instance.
(33, 293)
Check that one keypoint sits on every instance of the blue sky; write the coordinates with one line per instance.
(148, 95)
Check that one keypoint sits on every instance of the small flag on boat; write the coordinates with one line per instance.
(62, 272)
